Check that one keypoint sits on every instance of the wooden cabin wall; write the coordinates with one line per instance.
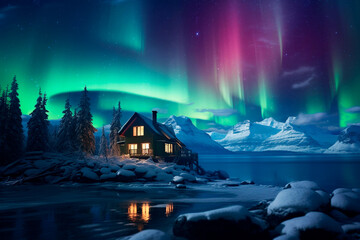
(130, 139)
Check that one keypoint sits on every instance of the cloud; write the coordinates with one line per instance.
(304, 83)
(354, 109)
(301, 77)
(299, 71)
(219, 112)
(323, 119)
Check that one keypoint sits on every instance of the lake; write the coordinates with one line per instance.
(329, 171)
(112, 210)
(99, 211)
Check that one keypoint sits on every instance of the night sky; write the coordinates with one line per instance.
(219, 61)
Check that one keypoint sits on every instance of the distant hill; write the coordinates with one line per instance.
(272, 135)
(348, 141)
(194, 138)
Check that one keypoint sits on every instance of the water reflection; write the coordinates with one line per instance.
(132, 212)
(143, 217)
(169, 209)
(145, 212)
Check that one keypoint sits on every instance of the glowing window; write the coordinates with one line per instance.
(145, 148)
(168, 148)
(132, 149)
(138, 131)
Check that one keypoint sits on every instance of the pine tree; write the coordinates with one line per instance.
(114, 131)
(14, 133)
(4, 110)
(103, 150)
(37, 127)
(72, 130)
(64, 135)
(46, 123)
(85, 129)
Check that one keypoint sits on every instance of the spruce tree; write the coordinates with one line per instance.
(45, 123)
(72, 130)
(38, 127)
(103, 150)
(64, 134)
(114, 131)
(85, 129)
(14, 133)
(4, 110)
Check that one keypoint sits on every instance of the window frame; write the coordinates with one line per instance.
(145, 150)
(169, 148)
(138, 131)
(132, 148)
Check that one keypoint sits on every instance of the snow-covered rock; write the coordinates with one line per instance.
(314, 225)
(163, 177)
(105, 170)
(180, 186)
(201, 180)
(141, 170)
(150, 174)
(351, 227)
(43, 164)
(221, 174)
(150, 234)
(348, 141)
(346, 200)
(325, 196)
(114, 167)
(293, 202)
(125, 175)
(169, 169)
(130, 167)
(178, 179)
(269, 135)
(32, 172)
(188, 177)
(224, 223)
(194, 138)
(303, 184)
(108, 176)
(88, 174)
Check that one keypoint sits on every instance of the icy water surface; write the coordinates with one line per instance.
(329, 171)
(100, 211)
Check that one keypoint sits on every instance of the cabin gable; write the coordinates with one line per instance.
(142, 137)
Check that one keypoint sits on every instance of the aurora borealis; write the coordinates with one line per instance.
(219, 61)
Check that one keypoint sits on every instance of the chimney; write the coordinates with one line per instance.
(154, 117)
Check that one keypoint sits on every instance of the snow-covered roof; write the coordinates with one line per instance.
(158, 128)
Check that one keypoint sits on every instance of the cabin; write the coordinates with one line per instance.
(141, 137)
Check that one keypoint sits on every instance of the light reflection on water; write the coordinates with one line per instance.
(141, 219)
(169, 209)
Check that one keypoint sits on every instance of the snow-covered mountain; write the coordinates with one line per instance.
(272, 135)
(348, 141)
(194, 138)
